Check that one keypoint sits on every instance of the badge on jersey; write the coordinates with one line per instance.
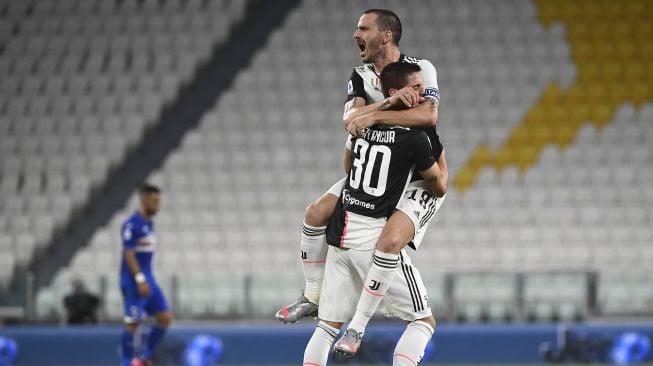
(377, 83)
(432, 93)
(350, 88)
(127, 233)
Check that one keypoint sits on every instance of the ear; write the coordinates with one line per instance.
(387, 37)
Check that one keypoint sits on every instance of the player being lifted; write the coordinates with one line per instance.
(140, 291)
(377, 34)
(382, 164)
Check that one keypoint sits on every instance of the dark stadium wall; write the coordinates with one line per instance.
(264, 345)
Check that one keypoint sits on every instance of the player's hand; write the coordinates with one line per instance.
(358, 125)
(144, 289)
(407, 96)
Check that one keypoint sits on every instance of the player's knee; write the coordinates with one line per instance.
(164, 319)
(392, 242)
(316, 215)
(430, 320)
(336, 325)
(131, 327)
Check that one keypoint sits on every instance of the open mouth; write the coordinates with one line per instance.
(361, 45)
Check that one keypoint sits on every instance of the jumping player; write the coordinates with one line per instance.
(382, 164)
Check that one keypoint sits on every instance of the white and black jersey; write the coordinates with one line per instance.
(382, 163)
(364, 83)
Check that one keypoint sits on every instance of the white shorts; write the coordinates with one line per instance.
(344, 274)
(420, 206)
(417, 203)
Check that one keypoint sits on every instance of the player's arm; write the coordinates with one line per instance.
(425, 114)
(422, 109)
(346, 160)
(139, 277)
(356, 103)
(437, 176)
(356, 107)
(422, 114)
(129, 253)
(433, 168)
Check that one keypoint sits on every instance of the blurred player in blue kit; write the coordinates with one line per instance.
(141, 294)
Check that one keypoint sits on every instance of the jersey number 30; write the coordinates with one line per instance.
(365, 166)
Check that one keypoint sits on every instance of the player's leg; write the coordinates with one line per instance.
(157, 305)
(342, 284)
(397, 232)
(127, 343)
(351, 340)
(133, 306)
(410, 347)
(313, 249)
(406, 225)
(408, 300)
(318, 347)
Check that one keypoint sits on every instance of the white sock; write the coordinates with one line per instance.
(410, 348)
(376, 284)
(318, 347)
(313, 254)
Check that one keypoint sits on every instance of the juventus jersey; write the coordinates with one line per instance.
(364, 83)
(382, 162)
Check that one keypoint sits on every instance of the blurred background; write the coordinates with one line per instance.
(234, 108)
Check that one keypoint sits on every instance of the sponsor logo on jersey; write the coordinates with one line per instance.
(347, 199)
(146, 243)
(432, 93)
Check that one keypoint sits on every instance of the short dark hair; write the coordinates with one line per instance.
(387, 20)
(395, 76)
(148, 188)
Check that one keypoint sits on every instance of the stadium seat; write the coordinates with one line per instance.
(578, 198)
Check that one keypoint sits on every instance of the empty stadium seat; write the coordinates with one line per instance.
(577, 198)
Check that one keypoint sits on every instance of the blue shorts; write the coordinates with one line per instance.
(136, 306)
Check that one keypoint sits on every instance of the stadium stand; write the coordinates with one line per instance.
(547, 125)
(82, 81)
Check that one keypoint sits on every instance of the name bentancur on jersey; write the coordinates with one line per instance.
(381, 136)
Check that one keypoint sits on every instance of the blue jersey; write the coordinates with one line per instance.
(138, 234)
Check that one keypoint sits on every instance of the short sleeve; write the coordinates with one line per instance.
(423, 154)
(355, 87)
(430, 77)
(348, 143)
(129, 236)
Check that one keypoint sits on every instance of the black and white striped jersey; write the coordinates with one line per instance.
(364, 83)
(382, 163)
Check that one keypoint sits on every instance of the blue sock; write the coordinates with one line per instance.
(153, 340)
(127, 347)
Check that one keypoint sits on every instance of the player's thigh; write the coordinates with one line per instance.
(397, 233)
(156, 303)
(407, 298)
(163, 318)
(341, 287)
(133, 305)
(420, 206)
(319, 212)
